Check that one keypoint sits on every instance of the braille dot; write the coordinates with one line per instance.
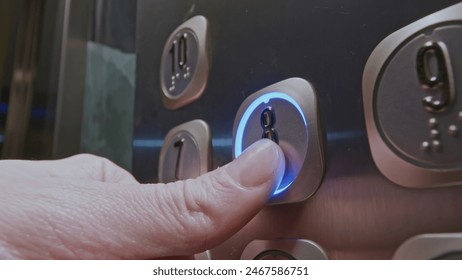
(436, 145)
(453, 130)
(434, 133)
(425, 146)
(177, 75)
(433, 123)
(460, 116)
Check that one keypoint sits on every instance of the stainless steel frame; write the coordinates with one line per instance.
(429, 246)
(389, 163)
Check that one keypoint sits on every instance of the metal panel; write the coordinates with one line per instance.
(356, 213)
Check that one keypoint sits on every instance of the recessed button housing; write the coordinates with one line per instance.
(185, 63)
(412, 102)
(286, 113)
(283, 249)
(186, 152)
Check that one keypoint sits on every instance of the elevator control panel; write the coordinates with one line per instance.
(412, 93)
(186, 152)
(185, 63)
(286, 113)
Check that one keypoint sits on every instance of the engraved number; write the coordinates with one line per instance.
(268, 121)
(440, 82)
(179, 145)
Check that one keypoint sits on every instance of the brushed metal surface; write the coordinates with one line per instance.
(356, 213)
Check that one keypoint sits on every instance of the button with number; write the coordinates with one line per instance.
(412, 98)
(287, 114)
(186, 152)
(185, 63)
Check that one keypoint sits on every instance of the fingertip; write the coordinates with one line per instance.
(260, 165)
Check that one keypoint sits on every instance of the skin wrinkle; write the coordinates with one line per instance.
(22, 222)
(207, 215)
(58, 231)
(106, 233)
(60, 217)
(113, 223)
(179, 217)
(6, 251)
(227, 176)
(164, 222)
(129, 212)
(199, 209)
(110, 215)
(58, 240)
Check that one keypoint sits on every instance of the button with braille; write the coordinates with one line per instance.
(185, 63)
(412, 102)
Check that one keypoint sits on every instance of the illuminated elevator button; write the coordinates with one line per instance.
(280, 113)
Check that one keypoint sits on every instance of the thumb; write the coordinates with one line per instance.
(93, 219)
(194, 215)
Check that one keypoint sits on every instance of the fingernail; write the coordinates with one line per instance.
(261, 162)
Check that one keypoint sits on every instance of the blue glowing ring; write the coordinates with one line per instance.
(265, 98)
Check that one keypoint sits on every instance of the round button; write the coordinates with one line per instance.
(290, 128)
(186, 152)
(180, 62)
(411, 106)
(185, 65)
(182, 159)
(286, 113)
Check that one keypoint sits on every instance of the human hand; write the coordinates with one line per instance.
(86, 207)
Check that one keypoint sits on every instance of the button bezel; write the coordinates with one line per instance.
(311, 172)
(394, 167)
(200, 133)
(198, 26)
(300, 249)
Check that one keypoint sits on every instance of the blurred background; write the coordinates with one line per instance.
(67, 78)
(67, 86)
